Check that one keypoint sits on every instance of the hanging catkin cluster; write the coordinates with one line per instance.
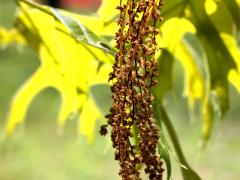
(134, 132)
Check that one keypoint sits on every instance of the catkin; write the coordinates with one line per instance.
(133, 76)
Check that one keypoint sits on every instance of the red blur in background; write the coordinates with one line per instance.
(83, 4)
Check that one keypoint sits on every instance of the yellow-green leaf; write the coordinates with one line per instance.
(88, 117)
(67, 65)
(194, 87)
(24, 97)
(10, 36)
(173, 31)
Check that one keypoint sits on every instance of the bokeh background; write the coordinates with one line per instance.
(37, 151)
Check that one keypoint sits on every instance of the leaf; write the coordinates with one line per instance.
(44, 26)
(171, 36)
(173, 31)
(198, 63)
(163, 147)
(165, 64)
(164, 151)
(221, 16)
(82, 33)
(227, 12)
(98, 73)
(194, 87)
(108, 9)
(76, 28)
(220, 61)
(234, 9)
(68, 66)
(10, 36)
(40, 80)
(88, 117)
(72, 101)
(23, 98)
(207, 114)
(108, 14)
(233, 48)
(211, 40)
(234, 78)
(238, 2)
(174, 8)
(187, 172)
(210, 6)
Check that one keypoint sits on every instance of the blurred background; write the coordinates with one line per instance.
(36, 151)
(77, 5)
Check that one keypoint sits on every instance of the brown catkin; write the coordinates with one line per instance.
(134, 75)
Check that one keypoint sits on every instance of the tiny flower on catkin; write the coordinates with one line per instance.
(134, 75)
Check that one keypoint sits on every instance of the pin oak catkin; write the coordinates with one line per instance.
(134, 133)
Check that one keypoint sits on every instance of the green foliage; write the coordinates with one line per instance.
(61, 53)
(207, 75)
(77, 51)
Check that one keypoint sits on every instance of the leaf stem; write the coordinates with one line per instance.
(187, 172)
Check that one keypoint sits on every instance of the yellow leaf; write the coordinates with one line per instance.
(91, 22)
(234, 78)
(10, 36)
(238, 1)
(67, 65)
(231, 44)
(108, 10)
(109, 19)
(210, 6)
(88, 118)
(173, 31)
(207, 114)
(99, 73)
(71, 100)
(45, 25)
(194, 87)
(24, 97)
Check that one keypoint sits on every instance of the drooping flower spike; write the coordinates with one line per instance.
(134, 132)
